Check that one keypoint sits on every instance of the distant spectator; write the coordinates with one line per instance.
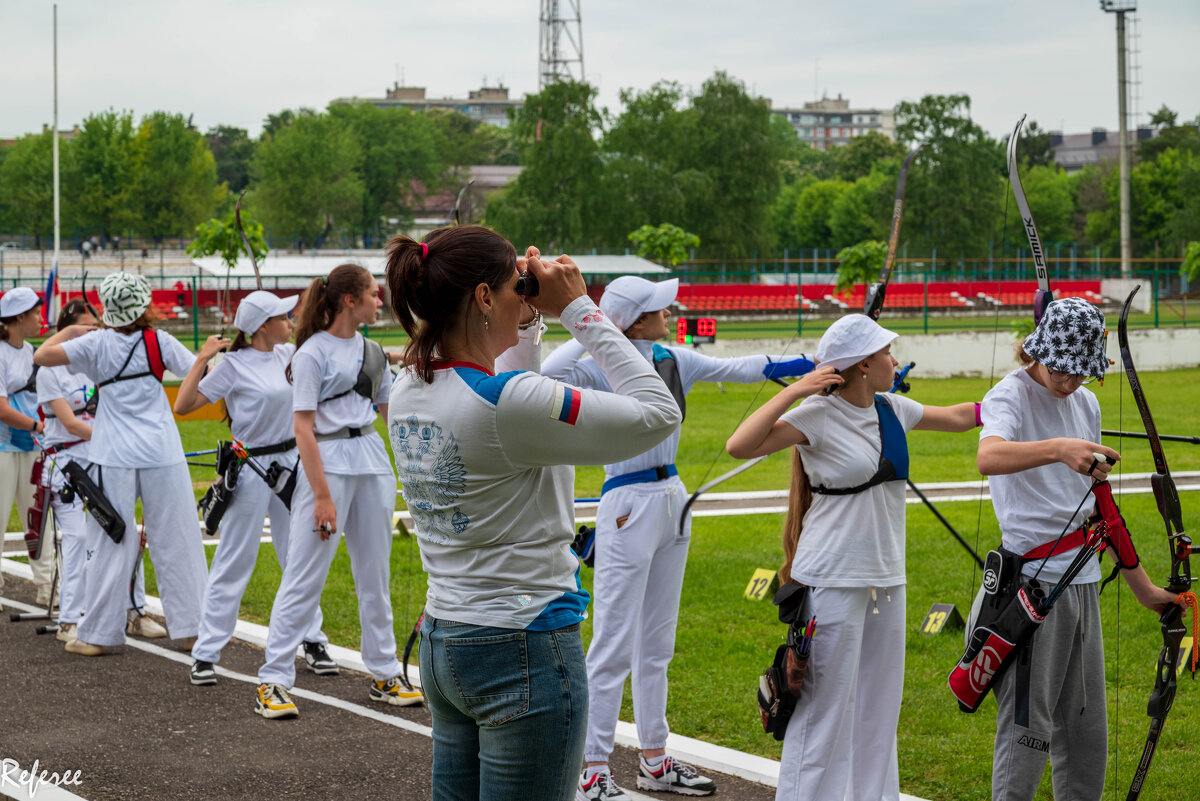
(116, 243)
(145, 252)
(86, 248)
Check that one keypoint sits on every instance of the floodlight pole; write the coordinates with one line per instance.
(54, 149)
(1121, 8)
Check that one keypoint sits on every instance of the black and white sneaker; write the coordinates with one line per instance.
(203, 673)
(673, 776)
(318, 659)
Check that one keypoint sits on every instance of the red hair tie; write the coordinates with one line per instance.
(424, 251)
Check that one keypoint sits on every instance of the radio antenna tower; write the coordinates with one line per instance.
(560, 42)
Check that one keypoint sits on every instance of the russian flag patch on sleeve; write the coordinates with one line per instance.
(566, 404)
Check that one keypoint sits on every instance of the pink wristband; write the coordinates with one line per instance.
(978, 416)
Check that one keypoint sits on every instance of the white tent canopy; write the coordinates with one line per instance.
(318, 263)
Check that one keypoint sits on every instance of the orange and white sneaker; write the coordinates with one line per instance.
(274, 702)
(395, 691)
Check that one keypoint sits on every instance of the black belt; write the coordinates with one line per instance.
(267, 450)
(349, 432)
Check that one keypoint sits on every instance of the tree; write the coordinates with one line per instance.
(666, 243)
(27, 184)
(860, 263)
(550, 201)
(954, 190)
(232, 149)
(733, 138)
(861, 154)
(1051, 196)
(397, 156)
(1153, 199)
(813, 210)
(1191, 261)
(1171, 136)
(864, 210)
(649, 162)
(798, 159)
(103, 176)
(783, 213)
(177, 176)
(306, 176)
(1184, 221)
(1034, 148)
(223, 238)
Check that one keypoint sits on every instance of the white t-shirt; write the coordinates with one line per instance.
(321, 368)
(849, 540)
(61, 382)
(134, 425)
(1033, 505)
(256, 392)
(16, 365)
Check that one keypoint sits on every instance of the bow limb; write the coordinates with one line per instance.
(1044, 296)
(237, 218)
(873, 306)
(1162, 696)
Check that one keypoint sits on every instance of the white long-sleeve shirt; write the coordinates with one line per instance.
(569, 363)
(486, 465)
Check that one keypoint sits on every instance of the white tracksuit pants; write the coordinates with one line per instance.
(637, 584)
(15, 470)
(173, 537)
(237, 553)
(364, 505)
(841, 740)
(69, 525)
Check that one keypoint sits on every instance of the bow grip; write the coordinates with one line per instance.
(1163, 694)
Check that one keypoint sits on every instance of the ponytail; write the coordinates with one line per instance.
(799, 500)
(431, 283)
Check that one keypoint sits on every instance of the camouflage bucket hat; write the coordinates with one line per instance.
(124, 297)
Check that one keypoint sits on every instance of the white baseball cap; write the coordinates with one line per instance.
(18, 300)
(850, 340)
(629, 297)
(258, 307)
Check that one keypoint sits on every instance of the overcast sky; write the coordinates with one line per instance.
(235, 61)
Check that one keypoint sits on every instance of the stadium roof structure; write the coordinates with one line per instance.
(308, 266)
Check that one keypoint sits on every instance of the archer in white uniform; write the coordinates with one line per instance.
(135, 453)
(844, 539)
(641, 546)
(251, 380)
(345, 486)
(19, 423)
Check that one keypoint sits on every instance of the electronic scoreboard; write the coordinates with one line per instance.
(698, 331)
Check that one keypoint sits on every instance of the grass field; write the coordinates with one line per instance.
(724, 641)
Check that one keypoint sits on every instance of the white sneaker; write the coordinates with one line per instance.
(144, 626)
(673, 776)
(66, 632)
(601, 787)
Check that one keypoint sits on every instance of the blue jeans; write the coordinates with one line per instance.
(509, 711)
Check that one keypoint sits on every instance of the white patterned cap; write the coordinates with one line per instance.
(1070, 339)
(125, 297)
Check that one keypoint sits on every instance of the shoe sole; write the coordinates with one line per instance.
(324, 671)
(399, 700)
(661, 787)
(206, 681)
(276, 714)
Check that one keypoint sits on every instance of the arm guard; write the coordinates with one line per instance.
(1116, 535)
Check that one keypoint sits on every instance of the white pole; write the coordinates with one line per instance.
(54, 134)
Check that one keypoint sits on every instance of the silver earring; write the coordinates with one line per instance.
(485, 322)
